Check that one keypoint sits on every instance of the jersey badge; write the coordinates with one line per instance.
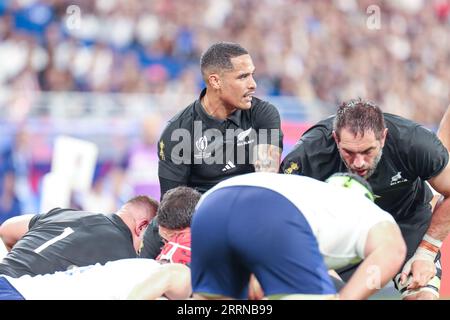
(244, 134)
(293, 167)
(161, 151)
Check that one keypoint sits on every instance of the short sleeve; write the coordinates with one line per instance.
(315, 155)
(174, 153)
(292, 163)
(33, 220)
(39, 217)
(267, 117)
(425, 156)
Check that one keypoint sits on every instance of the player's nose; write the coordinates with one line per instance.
(359, 162)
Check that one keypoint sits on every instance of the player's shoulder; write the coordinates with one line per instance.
(402, 127)
(398, 125)
(318, 139)
(322, 129)
(397, 120)
(182, 119)
(51, 216)
(351, 205)
(260, 103)
(405, 133)
(262, 106)
(70, 217)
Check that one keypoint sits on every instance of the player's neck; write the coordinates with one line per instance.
(126, 218)
(215, 108)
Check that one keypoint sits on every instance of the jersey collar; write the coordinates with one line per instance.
(235, 117)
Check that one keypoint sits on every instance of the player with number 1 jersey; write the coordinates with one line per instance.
(63, 238)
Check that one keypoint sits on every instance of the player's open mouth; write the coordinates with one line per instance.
(248, 97)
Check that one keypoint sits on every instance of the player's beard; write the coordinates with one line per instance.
(370, 170)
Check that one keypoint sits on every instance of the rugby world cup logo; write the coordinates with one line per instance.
(202, 144)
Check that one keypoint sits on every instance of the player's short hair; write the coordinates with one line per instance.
(177, 207)
(218, 57)
(359, 116)
(352, 181)
(146, 202)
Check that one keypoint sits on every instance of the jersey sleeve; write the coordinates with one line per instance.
(294, 160)
(39, 217)
(33, 220)
(267, 117)
(174, 153)
(315, 154)
(424, 154)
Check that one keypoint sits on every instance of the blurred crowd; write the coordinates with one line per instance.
(317, 50)
(131, 170)
(320, 51)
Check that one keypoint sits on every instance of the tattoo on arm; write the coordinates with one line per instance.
(267, 158)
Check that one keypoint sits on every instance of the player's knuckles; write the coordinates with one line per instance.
(423, 281)
(416, 277)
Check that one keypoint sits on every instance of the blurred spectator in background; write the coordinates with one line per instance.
(322, 52)
(16, 194)
(325, 51)
(9, 204)
(23, 161)
(102, 196)
(141, 173)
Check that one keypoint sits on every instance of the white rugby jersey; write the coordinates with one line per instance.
(111, 281)
(339, 218)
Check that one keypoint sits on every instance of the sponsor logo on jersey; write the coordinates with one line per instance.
(397, 179)
(230, 165)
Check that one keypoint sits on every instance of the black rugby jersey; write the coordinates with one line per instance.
(199, 151)
(63, 238)
(411, 155)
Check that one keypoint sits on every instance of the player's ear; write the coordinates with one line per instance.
(383, 137)
(335, 137)
(214, 80)
(141, 226)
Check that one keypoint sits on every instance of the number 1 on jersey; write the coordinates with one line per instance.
(67, 231)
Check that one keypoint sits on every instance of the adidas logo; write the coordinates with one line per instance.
(228, 166)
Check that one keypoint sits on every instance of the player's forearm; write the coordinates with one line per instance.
(374, 272)
(267, 158)
(444, 129)
(3, 250)
(171, 280)
(151, 288)
(7, 241)
(13, 229)
(440, 221)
